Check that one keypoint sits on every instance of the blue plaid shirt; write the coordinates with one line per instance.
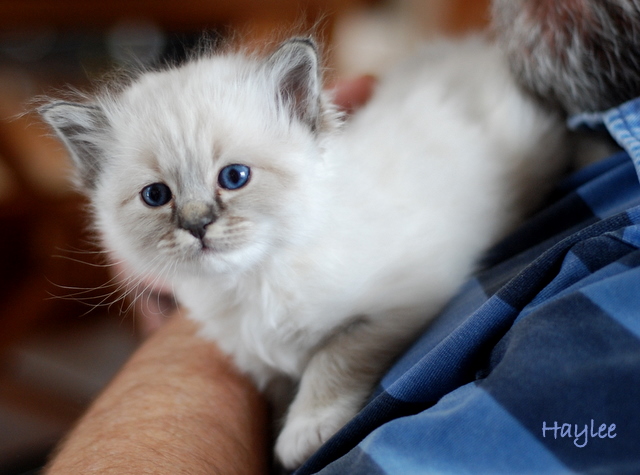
(535, 366)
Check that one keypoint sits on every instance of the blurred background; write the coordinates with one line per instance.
(62, 337)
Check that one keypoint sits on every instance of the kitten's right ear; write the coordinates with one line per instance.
(82, 128)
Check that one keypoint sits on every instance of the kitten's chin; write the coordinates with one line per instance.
(213, 262)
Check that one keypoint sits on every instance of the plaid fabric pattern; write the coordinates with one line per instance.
(535, 366)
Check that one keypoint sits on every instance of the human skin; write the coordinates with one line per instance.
(178, 406)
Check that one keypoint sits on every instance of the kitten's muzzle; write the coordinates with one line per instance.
(195, 216)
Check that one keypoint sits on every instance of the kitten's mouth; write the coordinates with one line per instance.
(207, 248)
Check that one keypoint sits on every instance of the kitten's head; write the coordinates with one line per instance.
(207, 167)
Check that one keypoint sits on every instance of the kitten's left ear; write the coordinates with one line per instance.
(297, 74)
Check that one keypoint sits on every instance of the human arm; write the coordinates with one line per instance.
(177, 406)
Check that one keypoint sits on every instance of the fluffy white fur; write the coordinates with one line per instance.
(347, 239)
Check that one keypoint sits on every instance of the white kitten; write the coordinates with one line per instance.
(305, 247)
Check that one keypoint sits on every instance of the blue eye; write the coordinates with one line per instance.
(233, 177)
(156, 194)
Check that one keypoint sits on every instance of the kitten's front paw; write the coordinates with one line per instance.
(303, 434)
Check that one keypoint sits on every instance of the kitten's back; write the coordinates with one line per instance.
(447, 157)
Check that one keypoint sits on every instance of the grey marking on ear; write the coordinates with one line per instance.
(83, 129)
(296, 66)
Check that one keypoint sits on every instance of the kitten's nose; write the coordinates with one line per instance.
(195, 216)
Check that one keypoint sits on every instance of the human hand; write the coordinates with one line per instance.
(351, 94)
